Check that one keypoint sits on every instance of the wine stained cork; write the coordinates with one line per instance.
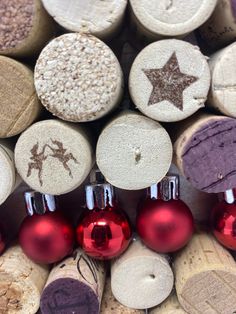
(18, 100)
(54, 157)
(133, 152)
(170, 306)
(205, 277)
(205, 150)
(141, 278)
(220, 29)
(222, 95)
(25, 27)
(78, 78)
(75, 285)
(169, 80)
(21, 282)
(167, 18)
(100, 18)
(111, 306)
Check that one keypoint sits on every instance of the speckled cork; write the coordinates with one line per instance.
(129, 148)
(100, 18)
(78, 78)
(54, 157)
(19, 104)
(170, 306)
(169, 80)
(74, 285)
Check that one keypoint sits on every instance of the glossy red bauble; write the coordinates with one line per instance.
(104, 233)
(46, 238)
(164, 226)
(223, 223)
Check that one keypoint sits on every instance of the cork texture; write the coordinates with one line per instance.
(169, 306)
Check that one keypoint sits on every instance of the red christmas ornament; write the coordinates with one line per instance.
(223, 220)
(104, 231)
(2, 242)
(45, 235)
(164, 222)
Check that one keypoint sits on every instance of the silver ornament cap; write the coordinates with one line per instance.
(167, 189)
(229, 196)
(38, 203)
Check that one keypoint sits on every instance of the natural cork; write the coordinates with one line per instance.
(169, 306)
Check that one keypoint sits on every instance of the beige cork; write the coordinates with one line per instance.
(25, 27)
(169, 80)
(170, 18)
(100, 18)
(19, 103)
(133, 152)
(141, 278)
(205, 277)
(78, 78)
(21, 282)
(54, 157)
(222, 95)
(169, 306)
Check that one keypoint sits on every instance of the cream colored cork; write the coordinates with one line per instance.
(141, 278)
(78, 78)
(54, 157)
(169, 80)
(21, 282)
(205, 277)
(158, 18)
(223, 86)
(133, 152)
(100, 18)
(169, 306)
(18, 100)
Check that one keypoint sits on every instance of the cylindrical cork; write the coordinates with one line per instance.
(54, 157)
(25, 27)
(141, 278)
(75, 285)
(21, 282)
(78, 78)
(133, 152)
(169, 80)
(205, 152)
(223, 86)
(167, 18)
(100, 18)
(205, 277)
(170, 306)
(220, 29)
(19, 103)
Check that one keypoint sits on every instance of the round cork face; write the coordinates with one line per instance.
(15, 23)
(52, 157)
(169, 80)
(172, 17)
(19, 104)
(78, 78)
(7, 171)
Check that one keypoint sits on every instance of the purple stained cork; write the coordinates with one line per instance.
(233, 4)
(209, 156)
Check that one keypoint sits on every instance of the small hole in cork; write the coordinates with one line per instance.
(220, 176)
(152, 276)
(137, 155)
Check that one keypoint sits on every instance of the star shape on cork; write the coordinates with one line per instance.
(169, 83)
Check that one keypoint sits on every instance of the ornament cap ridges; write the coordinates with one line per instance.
(167, 189)
(38, 203)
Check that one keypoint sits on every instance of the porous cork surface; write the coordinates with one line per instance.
(78, 78)
(16, 21)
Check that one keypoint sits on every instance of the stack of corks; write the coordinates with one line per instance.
(87, 83)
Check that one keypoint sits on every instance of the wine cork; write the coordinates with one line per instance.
(25, 27)
(220, 29)
(169, 80)
(205, 150)
(133, 152)
(166, 18)
(100, 18)
(222, 95)
(21, 282)
(53, 157)
(75, 285)
(19, 103)
(78, 78)
(170, 306)
(205, 277)
(111, 306)
(141, 278)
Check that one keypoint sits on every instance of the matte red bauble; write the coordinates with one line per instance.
(104, 230)
(223, 220)
(164, 222)
(45, 236)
